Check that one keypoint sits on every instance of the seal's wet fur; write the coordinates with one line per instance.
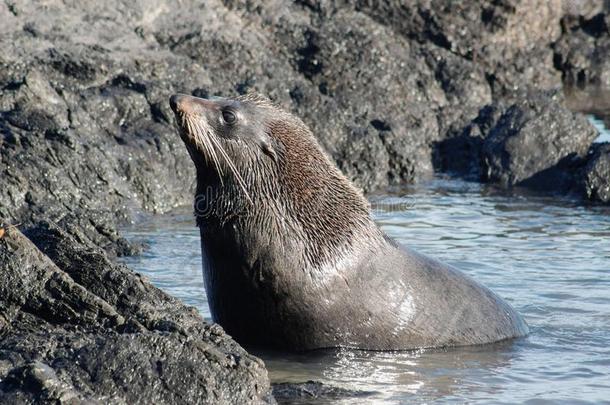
(291, 256)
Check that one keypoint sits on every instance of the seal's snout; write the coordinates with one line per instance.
(175, 102)
(185, 104)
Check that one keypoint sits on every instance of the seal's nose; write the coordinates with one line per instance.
(185, 104)
(174, 102)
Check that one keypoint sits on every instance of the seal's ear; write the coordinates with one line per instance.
(269, 151)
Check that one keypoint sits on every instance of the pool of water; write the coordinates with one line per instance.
(600, 125)
(550, 258)
(593, 101)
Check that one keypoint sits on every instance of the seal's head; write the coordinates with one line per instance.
(256, 161)
(224, 135)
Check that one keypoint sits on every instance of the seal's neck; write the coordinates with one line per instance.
(327, 207)
(314, 227)
(314, 223)
(303, 200)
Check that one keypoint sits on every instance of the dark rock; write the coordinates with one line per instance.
(531, 138)
(590, 100)
(575, 11)
(84, 122)
(536, 142)
(461, 152)
(359, 73)
(511, 24)
(508, 39)
(583, 52)
(313, 392)
(597, 174)
(75, 328)
(94, 229)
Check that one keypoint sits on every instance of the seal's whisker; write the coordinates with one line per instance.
(232, 167)
(198, 138)
(199, 135)
(206, 139)
(192, 130)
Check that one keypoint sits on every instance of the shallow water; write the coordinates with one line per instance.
(595, 102)
(548, 257)
(600, 125)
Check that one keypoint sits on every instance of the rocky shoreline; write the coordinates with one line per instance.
(77, 328)
(395, 93)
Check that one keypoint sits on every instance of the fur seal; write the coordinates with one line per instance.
(291, 257)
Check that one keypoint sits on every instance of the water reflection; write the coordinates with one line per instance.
(421, 375)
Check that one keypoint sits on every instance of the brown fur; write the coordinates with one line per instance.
(304, 186)
(291, 256)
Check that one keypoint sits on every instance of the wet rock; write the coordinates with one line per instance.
(314, 392)
(461, 152)
(84, 129)
(536, 142)
(533, 138)
(75, 328)
(596, 178)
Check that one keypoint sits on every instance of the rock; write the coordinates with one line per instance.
(370, 96)
(85, 127)
(582, 53)
(535, 142)
(314, 391)
(508, 39)
(533, 138)
(590, 100)
(75, 328)
(596, 177)
(468, 28)
(461, 153)
(575, 10)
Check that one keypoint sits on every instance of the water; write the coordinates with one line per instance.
(600, 125)
(548, 257)
(595, 102)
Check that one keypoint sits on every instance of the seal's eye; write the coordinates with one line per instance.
(229, 117)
